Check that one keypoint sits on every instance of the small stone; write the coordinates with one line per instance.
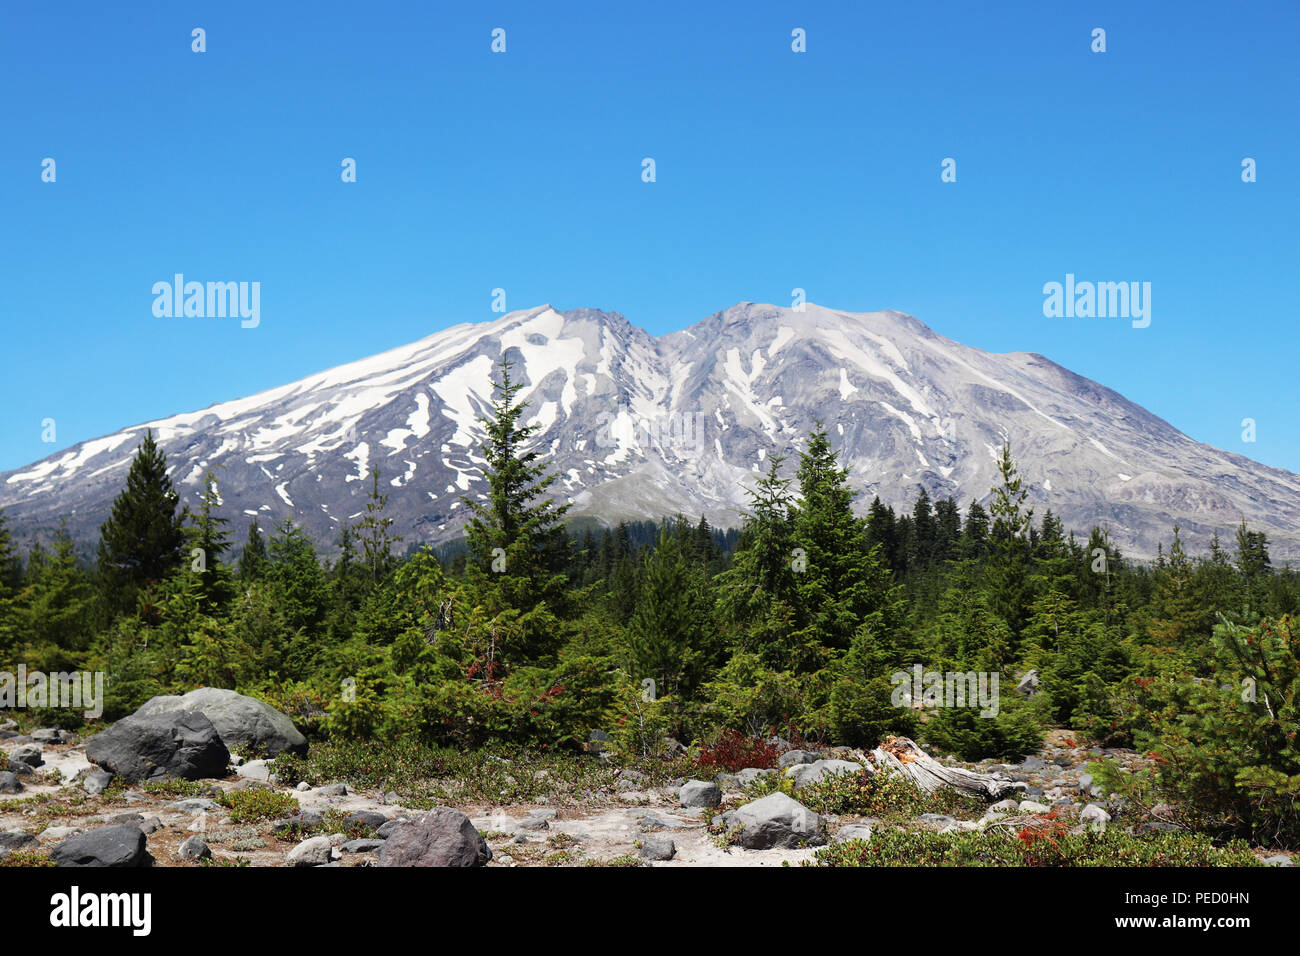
(192, 805)
(1033, 806)
(15, 840)
(303, 787)
(658, 848)
(1094, 816)
(793, 757)
(193, 849)
(1280, 859)
(96, 783)
(534, 823)
(854, 831)
(361, 846)
(9, 783)
(30, 755)
(312, 852)
(334, 790)
(700, 793)
(371, 819)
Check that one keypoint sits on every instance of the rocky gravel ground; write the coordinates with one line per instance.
(56, 804)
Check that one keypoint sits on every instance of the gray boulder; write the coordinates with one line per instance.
(700, 793)
(752, 775)
(193, 849)
(315, 851)
(29, 754)
(1094, 816)
(244, 723)
(792, 757)
(361, 846)
(819, 770)
(370, 819)
(161, 746)
(11, 840)
(854, 831)
(936, 820)
(776, 820)
(441, 837)
(9, 783)
(658, 848)
(122, 845)
(97, 782)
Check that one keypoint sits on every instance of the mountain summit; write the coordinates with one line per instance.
(639, 426)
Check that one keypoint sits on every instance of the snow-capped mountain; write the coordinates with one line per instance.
(638, 426)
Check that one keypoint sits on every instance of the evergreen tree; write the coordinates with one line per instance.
(920, 549)
(666, 634)
(373, 529)
(209, 540)
(253, 561)
(975, 533)
(516, 536)
(947, 530)
(1009, 541)
(57, 608)
(881, 531)
(844, 579)
(143, 539)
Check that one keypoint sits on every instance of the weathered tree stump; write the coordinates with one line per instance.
(901, 755)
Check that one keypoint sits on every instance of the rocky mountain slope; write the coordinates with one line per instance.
(639, 426)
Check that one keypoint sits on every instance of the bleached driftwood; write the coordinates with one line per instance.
(901, 755)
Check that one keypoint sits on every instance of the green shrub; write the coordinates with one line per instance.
(862, 713)
(883, 795)
(257, 804)
(1017, 730)
(1113, 847)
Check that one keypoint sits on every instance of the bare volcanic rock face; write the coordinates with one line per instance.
(641, 427)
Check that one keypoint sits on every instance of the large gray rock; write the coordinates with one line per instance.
(244, 723)
(97, 782)
(173, 744)
(821, 769)
(11, 840)
(658, 848)
(121, 846)
(193, 849)
(9, 783)
(793, 757)
(29, 754)
(776, 820)
(441, 837)
(853, 831)
(313, 852)
(700, 793)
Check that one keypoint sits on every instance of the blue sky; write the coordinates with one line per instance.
(522, 170)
